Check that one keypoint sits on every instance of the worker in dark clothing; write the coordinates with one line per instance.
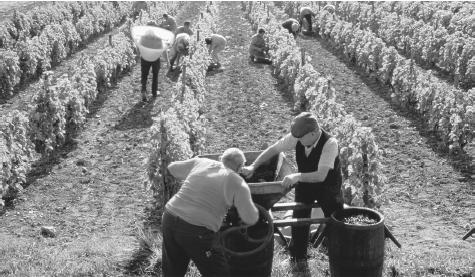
(306, 14)
(292, 25)
(150, 40)
(258, 49)
(319, 174)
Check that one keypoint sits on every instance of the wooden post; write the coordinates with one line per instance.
(302, 51)
(183, 87)
(197, 35)
(110, 41)
(201, 15)
(267, 11)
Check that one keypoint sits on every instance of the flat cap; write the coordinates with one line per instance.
(303, 124)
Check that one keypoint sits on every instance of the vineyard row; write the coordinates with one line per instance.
(178, 133)
(33, 43)
(429, 45)
(450, 112)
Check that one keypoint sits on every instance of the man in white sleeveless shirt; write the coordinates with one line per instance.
(195, 213)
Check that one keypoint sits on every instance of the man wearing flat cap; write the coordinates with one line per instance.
(319, 174)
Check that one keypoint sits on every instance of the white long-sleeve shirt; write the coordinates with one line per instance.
(208, 191)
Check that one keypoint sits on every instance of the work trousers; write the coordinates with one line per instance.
(308, 17)
(145, 66)
(183, 241)
(307, 193)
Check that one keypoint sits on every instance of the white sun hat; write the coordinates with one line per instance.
(147, 53)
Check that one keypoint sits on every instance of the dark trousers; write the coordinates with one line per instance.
(145, 66)
(308, 17)
(183, 241)
(307, 193)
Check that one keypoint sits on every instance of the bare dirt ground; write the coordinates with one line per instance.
(93, 192)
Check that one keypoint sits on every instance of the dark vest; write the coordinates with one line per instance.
(310, 164)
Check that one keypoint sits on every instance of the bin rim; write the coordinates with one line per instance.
(380, 222)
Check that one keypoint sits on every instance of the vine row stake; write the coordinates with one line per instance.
(183, 87)
(302, 51)
(197, 35)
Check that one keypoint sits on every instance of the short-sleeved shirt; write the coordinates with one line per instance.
(208, 191)
(182, 41)
(218, 41)
(329, 151)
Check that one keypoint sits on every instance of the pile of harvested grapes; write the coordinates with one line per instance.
(359, 220)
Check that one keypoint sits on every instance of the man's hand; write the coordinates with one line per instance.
(290, 180)
(247, 171)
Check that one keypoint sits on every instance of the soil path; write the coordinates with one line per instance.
(93, 194)
(246, 109)
(428, 202)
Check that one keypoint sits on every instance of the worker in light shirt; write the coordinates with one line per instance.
(216, 44)
(195, 213)
(319, 173)
(180, 48)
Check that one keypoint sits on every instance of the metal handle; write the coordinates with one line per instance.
(388, 234)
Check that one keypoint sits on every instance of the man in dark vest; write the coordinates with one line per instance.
(319, 173)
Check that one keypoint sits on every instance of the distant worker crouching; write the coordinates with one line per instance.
(258, 50)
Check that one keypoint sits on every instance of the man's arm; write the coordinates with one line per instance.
(181, 169)
(327, 160)
(286, 143)
(240, 196)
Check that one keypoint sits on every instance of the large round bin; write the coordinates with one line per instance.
(356, 250)
(240, 254)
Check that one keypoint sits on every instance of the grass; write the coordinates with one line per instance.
(39, 257)
(397, 263)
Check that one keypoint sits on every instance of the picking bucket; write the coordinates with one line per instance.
(356, 250)
(151, 53)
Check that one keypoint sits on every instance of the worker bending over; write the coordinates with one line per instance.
(291, 25)
(179, 49)
(216, 44)
(193, 216)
